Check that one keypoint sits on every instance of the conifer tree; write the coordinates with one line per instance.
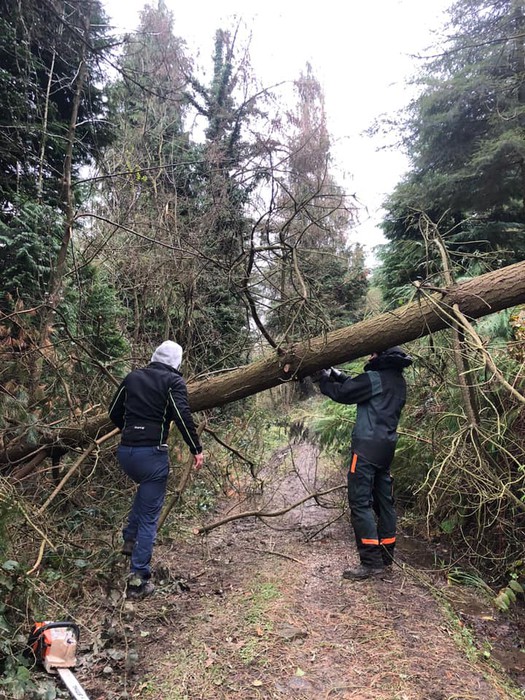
(178, 205)
(147, 191)
(466, 141)
(53, 123)
(228, 175)
(318, 279)
(49, 66)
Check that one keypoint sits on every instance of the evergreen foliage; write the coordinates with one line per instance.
(186, 196)
(29, 241)
(222, 207)
(315, 273)
(149, 185)
(40, 51)
(53, 121)
(464, 135)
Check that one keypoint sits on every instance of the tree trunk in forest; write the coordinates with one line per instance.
(58, 270)
(519, 16)
(475, 298)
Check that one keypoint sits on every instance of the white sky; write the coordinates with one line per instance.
(362, 52)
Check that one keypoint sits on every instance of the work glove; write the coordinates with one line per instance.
(320, 374)
(335, 374)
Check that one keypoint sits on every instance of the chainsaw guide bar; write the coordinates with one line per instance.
(74, 687)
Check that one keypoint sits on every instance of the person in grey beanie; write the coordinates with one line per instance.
(146, 403)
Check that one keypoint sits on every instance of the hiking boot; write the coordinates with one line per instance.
(361, 572)
(127, 547)
(137, 588)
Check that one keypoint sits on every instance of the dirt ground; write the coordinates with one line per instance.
(258, 609)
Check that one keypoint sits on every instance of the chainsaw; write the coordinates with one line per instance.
(53, 645)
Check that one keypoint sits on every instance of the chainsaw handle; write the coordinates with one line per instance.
(54, 625)
(36, 636)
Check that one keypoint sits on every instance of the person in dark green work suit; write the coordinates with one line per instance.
(380, 394)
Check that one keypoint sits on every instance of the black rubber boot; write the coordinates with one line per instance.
(361, 572)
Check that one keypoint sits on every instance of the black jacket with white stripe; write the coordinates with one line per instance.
(146, 403)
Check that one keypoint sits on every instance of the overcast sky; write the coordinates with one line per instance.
(362, 51)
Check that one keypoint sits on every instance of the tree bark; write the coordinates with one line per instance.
(475, 298)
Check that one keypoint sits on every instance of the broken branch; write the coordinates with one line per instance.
(262, 514)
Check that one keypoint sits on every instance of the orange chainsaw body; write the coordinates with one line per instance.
(54, 644)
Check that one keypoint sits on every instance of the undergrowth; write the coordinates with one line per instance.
(56, 564)
(460, 486)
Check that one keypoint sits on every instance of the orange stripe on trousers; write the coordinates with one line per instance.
(354, 463)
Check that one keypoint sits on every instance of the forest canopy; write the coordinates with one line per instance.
(144, 197)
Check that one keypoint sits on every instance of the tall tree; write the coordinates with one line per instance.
(466, 140)
(317, 280)
(228, 104)
(54, 123)
(147, 187)
(182, 213)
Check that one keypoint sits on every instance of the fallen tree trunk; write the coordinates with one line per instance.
(475, 298)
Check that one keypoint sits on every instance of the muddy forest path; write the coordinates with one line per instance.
(259, 610)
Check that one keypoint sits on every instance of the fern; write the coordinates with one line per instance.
(333, 428)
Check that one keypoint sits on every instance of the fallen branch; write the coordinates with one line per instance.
(94, 445)
(275, 554)
(489, 362)
(181, 486)
(233, 450)
(325, 525)
(38, 559)
(261, 513)
(26, 469)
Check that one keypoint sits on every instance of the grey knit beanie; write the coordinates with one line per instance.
(169, 353)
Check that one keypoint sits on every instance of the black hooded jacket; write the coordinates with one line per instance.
(147, 401)
(380, 394)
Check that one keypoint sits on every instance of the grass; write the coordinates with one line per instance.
(262, 594)
(223, 641)
(480, 655)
